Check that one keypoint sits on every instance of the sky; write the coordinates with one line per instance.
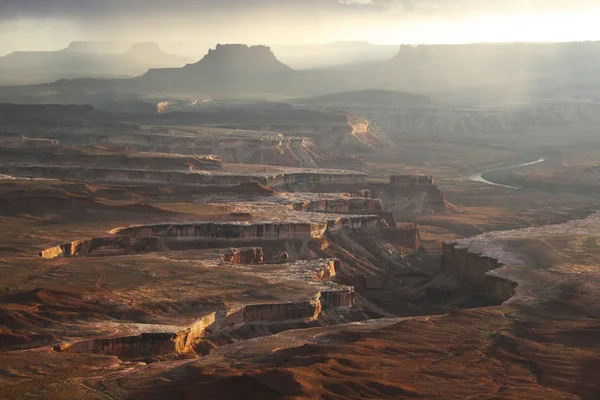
(52, 24)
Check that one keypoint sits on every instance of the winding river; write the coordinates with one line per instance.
(479, 176)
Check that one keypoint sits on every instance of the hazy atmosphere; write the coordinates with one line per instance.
(52, 24)
(299, 199)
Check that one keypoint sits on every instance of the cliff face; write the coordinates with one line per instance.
(230, 318)
(475, 269)
(251, 230)
(293, 311)
(529, 266)
(350, 205)
(157, 238)
(404, 195)
(414, 194)
(146, 344)
(407, 236)
(184, 178)
(253, 313)
(248, 255)
(106, 246)
(181, 342)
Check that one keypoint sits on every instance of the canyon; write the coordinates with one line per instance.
(242, 250)
(168, 242)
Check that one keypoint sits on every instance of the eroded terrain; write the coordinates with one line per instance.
(291, 254)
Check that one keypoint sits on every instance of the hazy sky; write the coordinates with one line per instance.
(52, 24)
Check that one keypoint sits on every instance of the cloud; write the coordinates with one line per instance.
(97, 9)
(34, 24)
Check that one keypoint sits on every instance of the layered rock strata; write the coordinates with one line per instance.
(150, 344)
(477, 269)
(104, 158)
(249, 147)
(161, 340)
(402, 194)
(531, 265)
(247, 255)
(349, 205)
(200, 178)
(154, 238)
(407, 235)
(251, 230)
(105, 246)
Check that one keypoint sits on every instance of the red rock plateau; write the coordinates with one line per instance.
(263, 259)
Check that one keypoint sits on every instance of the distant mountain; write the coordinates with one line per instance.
(227, 69)
(77, 61)
(473, 72)
(505, 70)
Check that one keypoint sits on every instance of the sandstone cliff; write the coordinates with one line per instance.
(477, 270)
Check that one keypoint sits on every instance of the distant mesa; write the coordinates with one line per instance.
(103, 60)
(242, 57)
(140, 51)
(505, 70)
(229, 68)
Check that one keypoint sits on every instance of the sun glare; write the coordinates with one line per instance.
(538, 27)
